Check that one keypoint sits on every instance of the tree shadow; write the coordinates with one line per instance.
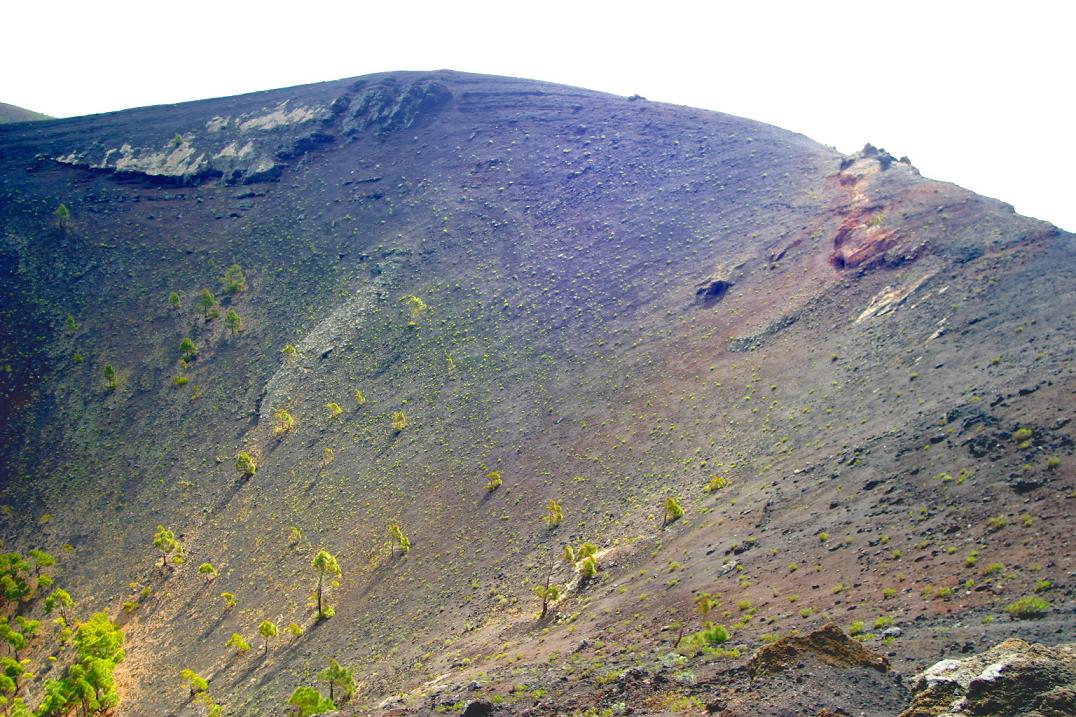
(212, 627)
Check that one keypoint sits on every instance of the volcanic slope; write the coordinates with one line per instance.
(13, 113)
(856, 382)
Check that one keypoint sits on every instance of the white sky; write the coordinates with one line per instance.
(977, 93)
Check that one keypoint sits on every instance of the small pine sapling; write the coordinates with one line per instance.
(244, 464)
(268, 629)
(673, 512)
(554, 515)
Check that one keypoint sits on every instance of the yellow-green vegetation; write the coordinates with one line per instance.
(234, 280)
(325, 564)
(548, 594)
(716, 483)
(341, 681)
(63, 215)
(672, 511)
(493, 481)
(283, 421)
(187, 350)
(165, 541)
(400, 541)
(237, 641)
(197, 682)
(554, 514)
(208, 304)
(416, 308)
(59, 599)
(268, 629)
(307, 701)
(233, 322)
(399, 421)
(1027, 607)
(244, 464)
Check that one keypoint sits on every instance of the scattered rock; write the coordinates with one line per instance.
(712, 291)
(478, 708)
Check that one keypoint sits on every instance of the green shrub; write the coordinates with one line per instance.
(715, 483)
(883, 622)
(1027, 608)
(711, 635)
(244, 463)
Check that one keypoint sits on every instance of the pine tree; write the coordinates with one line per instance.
(673, 512)
(237, 641)
(59, 598)
(307, 701)
(400, 540)
(233, 322)
(340, 679)
(268, 629)
(554, 515)
(165, 541)
(110, 377)
(63, 215)
(208, 303)
(325, 564)
(234, 281)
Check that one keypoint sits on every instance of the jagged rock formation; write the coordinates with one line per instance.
(256, 145)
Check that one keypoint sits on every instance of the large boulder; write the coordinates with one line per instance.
(1011, 679)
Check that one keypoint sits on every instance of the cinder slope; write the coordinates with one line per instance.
(624, 299)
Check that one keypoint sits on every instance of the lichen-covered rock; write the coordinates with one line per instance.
(1011, 679)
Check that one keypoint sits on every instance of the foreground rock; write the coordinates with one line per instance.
(828, 645)
(1010, 679)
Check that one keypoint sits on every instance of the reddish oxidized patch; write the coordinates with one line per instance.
(860, 237)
